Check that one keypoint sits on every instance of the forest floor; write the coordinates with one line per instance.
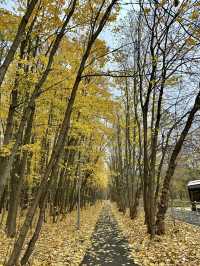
(59, 243)
(107, 237)
(178, 247)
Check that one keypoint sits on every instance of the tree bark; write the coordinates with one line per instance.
(36, 234)
(17, 177)
(164, 199)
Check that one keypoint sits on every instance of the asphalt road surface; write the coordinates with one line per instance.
(109, 247)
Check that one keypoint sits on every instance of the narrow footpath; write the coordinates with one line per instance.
(109, 246)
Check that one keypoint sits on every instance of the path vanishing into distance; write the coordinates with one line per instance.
(109, 246)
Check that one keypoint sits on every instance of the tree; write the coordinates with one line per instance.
(101, 16)
(17, 40)
(157, 52)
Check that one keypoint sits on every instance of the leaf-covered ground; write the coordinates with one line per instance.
(180, 245)
(60, 243)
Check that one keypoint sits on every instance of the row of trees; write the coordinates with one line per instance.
(160, 100)
(57, 114)
(54, 116)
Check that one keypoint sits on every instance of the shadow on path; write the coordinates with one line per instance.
(109, 247)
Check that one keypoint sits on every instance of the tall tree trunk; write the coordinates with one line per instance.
(122, 195)
(164, 199)
(17, 177)
(127, 163)
(32, 242)
(134, 209)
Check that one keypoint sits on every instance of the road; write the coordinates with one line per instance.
(109, 246)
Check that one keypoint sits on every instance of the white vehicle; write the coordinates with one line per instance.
(194, 193)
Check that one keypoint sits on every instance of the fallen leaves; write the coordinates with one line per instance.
(180, 245)
(60, 243)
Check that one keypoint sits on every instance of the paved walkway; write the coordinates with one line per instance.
(109, 247)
